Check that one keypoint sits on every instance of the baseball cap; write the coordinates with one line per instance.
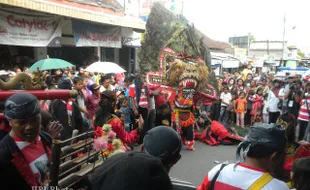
(162, 142)
(131, 171)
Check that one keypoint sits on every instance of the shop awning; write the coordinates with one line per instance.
(230, 64)
(76, 12)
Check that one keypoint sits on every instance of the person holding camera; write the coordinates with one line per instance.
(293, 98)
(287, 90)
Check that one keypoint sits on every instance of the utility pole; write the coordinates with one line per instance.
(268, 48)
(283, 42)
(249, 34)
(182, 8)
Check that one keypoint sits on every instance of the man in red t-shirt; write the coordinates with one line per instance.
(25, 152)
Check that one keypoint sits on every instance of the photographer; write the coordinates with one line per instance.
(286, 92)
(293, 98)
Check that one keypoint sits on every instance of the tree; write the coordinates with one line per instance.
(300, 53)
(164, 29)
(252, 38)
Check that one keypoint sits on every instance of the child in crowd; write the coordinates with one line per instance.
(257, 105)
(240, 109)
(121, 116)
(78, 83)
(231, 108)
(124, 108)
(249, 99)
(265, 112)
(225, 102)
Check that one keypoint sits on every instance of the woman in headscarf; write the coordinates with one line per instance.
(105, 115)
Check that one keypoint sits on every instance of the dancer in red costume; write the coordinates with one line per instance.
(185, 81)
(105, 115)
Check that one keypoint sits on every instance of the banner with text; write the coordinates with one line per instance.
(36, 31)
(95, 35)
(133, 41)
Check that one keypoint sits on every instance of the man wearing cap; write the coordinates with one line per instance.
(131, 171)
(262, 153)
(25, 152)
(165, 143)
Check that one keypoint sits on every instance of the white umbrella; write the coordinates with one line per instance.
(105, 68)
(3, 72)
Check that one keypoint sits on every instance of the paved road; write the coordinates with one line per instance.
(193, 166)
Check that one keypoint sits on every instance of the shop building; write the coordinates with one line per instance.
(69, 30)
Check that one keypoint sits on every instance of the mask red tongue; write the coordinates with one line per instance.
(190, 83)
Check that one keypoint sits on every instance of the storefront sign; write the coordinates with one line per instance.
(95, 35)
(134, 41)
(36, 31)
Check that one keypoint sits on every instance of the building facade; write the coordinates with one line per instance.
(71, 30)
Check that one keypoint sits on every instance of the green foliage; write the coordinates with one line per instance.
(252, 38)
(164, 29)
(300, 53)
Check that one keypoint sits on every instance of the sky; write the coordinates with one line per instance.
(264, 19)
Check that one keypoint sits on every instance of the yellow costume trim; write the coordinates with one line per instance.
(261, 182)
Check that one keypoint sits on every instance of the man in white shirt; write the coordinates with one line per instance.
(262, 153)
(273, 100)
(225, 102)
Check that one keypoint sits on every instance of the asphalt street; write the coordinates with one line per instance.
(193, 166)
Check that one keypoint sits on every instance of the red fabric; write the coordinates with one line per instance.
(217, 134)
(205, 185)
(197, 135)
(24, 169)
(219, 130)
(219, 185)
(208, 137)
(98, 132)
(301, 152)
(123, 135)
(132, 90)
(31, 153)
(160, 100)
(143, 102)
(5, 127)
(257, 103)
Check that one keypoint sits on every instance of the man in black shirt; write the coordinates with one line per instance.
(293, 98)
